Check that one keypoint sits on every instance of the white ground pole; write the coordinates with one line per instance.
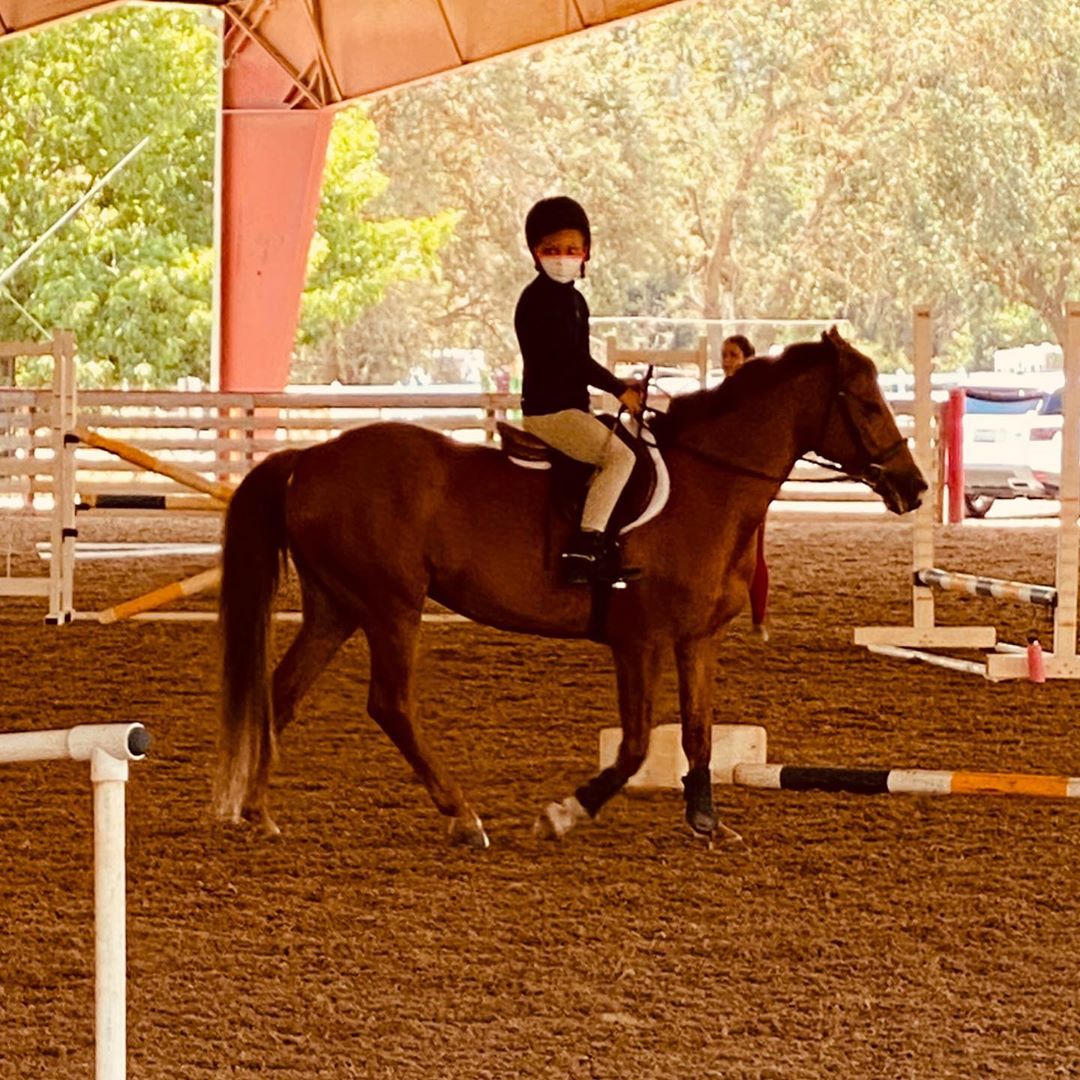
(108, 748)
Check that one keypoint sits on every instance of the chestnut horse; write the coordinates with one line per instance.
(386, 515)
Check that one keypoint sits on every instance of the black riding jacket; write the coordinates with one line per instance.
(552, 324)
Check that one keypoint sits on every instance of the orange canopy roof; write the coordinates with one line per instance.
(329, 51)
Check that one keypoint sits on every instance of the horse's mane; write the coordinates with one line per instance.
(755, 375)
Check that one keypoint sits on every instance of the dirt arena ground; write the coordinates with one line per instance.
(848, 936)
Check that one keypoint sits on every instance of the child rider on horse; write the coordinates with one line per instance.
(552, 324)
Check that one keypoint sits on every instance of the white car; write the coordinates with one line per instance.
(1045, 445)
(998, 440)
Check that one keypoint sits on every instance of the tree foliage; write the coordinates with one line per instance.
(131, 274)
(804, 158)
(812, 158)
(355, 258)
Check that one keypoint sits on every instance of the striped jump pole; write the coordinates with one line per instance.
(175, 590)
(977, 585)
(108, 748)
(903, 781)
(134, 456)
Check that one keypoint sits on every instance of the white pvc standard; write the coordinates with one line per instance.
(108, 748)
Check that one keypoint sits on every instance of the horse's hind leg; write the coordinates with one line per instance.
(637, 671)
(392, 640)
(325, 628)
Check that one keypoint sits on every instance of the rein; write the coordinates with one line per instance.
(870, 472)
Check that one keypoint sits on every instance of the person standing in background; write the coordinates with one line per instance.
(735, 351)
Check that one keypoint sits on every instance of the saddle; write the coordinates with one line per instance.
(570, 478)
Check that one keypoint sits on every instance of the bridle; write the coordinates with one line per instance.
(869, 469)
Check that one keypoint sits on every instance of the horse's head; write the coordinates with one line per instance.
(860, 433)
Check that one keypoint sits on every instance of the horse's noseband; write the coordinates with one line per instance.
(871, 469)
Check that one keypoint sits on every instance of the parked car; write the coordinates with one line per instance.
(1045, 444)
(998, 427)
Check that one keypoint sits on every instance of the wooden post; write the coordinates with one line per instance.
(1068, 550)
(923, 633)
(64, 404)
(923, 545)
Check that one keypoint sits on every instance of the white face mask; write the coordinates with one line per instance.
(562, 268)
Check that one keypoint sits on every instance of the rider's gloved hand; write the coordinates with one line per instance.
(633, 398)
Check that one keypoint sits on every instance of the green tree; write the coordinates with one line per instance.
(355, 258)
(810, 158)
(131, 273)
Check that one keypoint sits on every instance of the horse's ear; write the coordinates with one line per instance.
(834, 334)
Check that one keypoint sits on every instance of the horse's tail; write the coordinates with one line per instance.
(253, 555)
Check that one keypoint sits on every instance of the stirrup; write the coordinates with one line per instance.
(577, 569)
(583, 557)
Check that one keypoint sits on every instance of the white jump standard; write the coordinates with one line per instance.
(108, 748)
(1006, 661)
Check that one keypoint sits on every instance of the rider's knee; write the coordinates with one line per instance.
(619, 455)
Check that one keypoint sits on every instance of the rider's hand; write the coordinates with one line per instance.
(633, 398)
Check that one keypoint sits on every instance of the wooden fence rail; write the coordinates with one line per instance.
(221, 435)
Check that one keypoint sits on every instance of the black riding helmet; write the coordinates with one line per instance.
(550, 215)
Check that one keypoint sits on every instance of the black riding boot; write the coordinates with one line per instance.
(582, 556)
(592, 557)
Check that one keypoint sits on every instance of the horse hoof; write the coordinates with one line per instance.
(701, 821)
(468, 831)
(558, 818)
(262, 821)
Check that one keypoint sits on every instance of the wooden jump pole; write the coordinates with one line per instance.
(141, 501)
(900, 652)
(175, 590)
(219, 492)
(903, 781)
(135, 456)
(996, 588)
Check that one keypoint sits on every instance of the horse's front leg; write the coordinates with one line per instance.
(696, 662)
(637, 671)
